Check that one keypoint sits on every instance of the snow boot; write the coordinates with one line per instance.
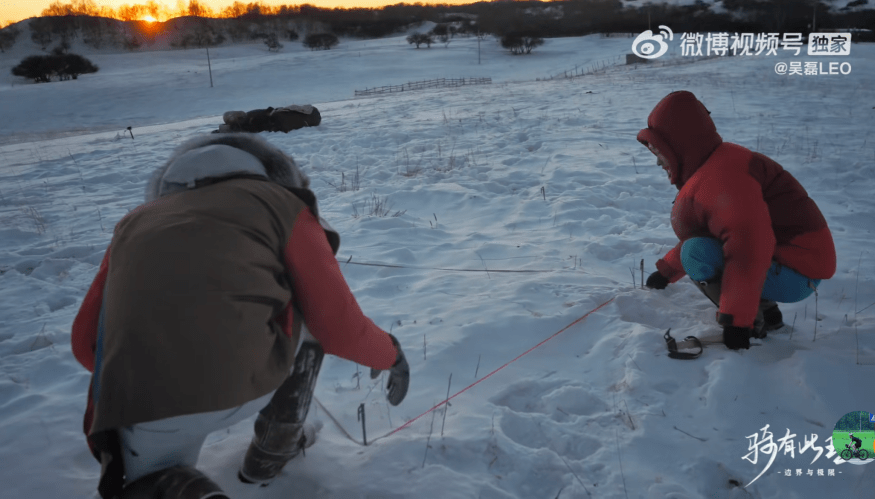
(772, 315)
(274, 445)
(280, 432)
(711, 289)
(178, 482)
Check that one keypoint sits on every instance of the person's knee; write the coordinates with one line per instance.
(702, 258)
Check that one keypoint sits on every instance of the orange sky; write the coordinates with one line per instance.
(16, 10)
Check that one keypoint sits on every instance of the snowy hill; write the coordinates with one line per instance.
(516, 208)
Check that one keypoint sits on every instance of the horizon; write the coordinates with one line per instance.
(20, 10)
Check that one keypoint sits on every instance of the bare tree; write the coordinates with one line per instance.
(7, 37)
(273, 44)
(320, 41)
(442, 33)
(519, 43)
(420, 39)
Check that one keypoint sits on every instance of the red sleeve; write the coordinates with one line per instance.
(84, 337)
(670, 265)
(738, 216)
(330, 311)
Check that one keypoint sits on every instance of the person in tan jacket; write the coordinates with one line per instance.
(216, 300)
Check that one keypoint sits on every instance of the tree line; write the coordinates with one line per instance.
(855, 421)
(534, 18)
(520, 26)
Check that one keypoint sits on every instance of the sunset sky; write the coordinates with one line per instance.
(16, 10)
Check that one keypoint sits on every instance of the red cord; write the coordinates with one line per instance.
(495, 371)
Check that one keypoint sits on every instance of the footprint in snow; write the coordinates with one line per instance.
(537, 412)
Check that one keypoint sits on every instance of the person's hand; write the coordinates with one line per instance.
(656, 281)
(399, 376)
(736, 337)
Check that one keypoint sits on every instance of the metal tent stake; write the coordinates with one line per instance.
(361, 417)
(210, 66)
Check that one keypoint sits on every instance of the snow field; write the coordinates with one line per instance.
(517, 175)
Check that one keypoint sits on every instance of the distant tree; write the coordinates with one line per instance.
(273, 44)
(131, 12)
(76, 65)
(320, 41)
(519, 43)
(420, 39)
(34, 67)
(154, 9)
(204, 35)
(197, 9)
(61, 48)
(74, 8)
(234, 10)
(41, 68)
(65, 28)
(7, 37)
(442, 33)
(94, 31)
(292, 35)
(40, 32)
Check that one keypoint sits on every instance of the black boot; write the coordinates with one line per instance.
(179, 482)
(274, 445)
(772, 315)
(280, 432)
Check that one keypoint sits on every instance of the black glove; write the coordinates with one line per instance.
(657, 281)
(736, 337)
(399, 376)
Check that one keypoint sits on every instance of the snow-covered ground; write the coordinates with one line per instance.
(519, 175)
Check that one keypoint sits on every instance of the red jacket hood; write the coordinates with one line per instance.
(680, 129)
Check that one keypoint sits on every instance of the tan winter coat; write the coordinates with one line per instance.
(220, 337)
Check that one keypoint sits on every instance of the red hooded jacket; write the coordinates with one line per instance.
(749, 202)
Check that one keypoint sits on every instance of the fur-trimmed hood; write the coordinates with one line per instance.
(212, 158)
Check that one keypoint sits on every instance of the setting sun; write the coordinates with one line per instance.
(149, 19)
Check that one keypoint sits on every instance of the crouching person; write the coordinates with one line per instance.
(749, 234)
(216, 300)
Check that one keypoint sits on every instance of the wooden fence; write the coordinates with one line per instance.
(421, 85)
(620, 61)
(582, 70)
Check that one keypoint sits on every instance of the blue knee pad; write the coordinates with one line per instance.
(702, 258)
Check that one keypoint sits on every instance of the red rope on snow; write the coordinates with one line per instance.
(405, 425)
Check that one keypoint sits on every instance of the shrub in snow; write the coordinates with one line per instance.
(520, 43)
(419, 39)
(273, 44)
(320, 41)
(42, 68)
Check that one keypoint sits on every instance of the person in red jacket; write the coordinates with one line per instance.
(216, 300)
(749, 234)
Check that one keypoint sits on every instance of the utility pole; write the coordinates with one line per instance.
(210, 66)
